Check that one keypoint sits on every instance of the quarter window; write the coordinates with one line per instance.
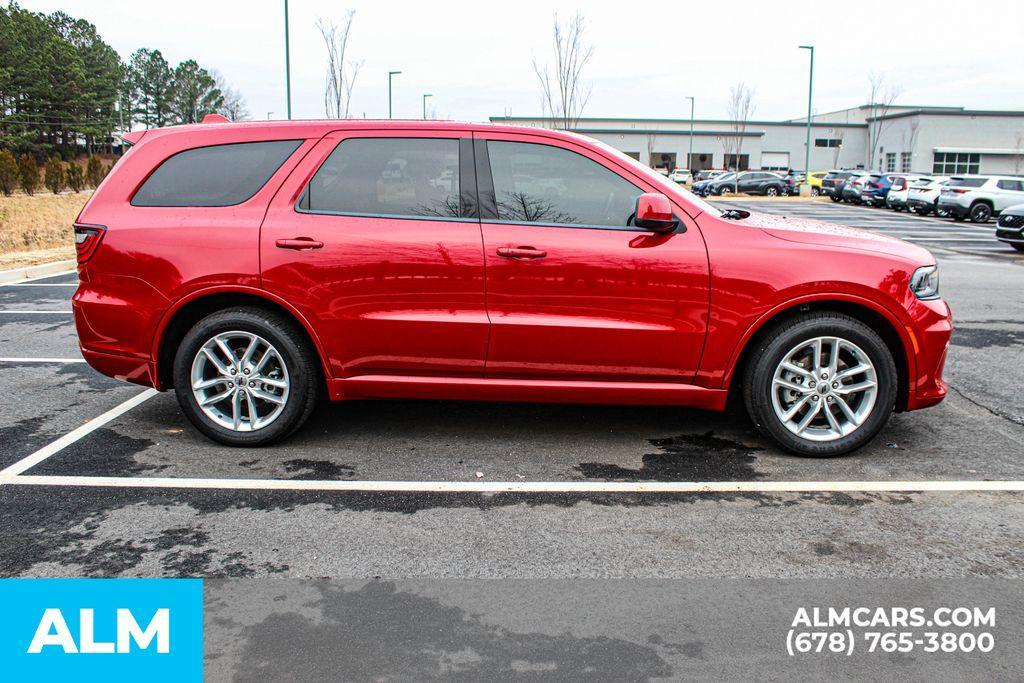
(1014, 185)
(219, 175)
(956, 163)
(415, 177)
(543, 184)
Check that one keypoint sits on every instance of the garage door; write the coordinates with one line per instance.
(774, 161)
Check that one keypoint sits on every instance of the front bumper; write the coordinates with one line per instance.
(934, 327)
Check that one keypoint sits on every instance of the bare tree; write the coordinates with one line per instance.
(882, 97)
(233, 106)
(838, 149)
(1018, 156)
(740, 108)
(651, 143)
(341, 75)
(564, 95)
(909, 139)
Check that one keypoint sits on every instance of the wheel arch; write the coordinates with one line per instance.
(864, 310)
(189, 310)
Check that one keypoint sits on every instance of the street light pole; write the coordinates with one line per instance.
(390, 74)
(689, 157)
(287, 63)
(425, 96)
(810, 92)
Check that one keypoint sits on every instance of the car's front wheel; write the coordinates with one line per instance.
(246, 376)
(771, 191)
(820, 384)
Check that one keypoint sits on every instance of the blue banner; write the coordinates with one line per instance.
(102, 629)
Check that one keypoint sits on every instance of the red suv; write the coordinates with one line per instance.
(253, 266)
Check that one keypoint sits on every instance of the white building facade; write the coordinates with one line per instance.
(946, 140)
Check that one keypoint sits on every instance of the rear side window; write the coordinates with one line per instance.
(1010, 185)
(543, 184)
(220, 175)
(416, 177)
(966, 182)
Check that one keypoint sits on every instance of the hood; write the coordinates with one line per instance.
(833, 235)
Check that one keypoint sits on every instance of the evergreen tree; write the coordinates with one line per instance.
(28, 173)
(8, 173)
(94, 171)
(195, 93)
(55, 174)
(75, 177)
(149, 81)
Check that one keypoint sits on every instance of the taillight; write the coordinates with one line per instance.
(87, 240)
(957, 190)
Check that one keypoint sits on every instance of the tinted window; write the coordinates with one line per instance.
(543, 184)
(388, 177)
(1010, 185)
(966, 182)
(222, 175)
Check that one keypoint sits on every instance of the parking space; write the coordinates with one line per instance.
(110, 479)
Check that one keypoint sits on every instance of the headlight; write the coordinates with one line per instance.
(924, 283)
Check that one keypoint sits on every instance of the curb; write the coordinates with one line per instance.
(16, 274)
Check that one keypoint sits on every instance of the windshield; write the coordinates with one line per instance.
(725, 176)
(668, 187)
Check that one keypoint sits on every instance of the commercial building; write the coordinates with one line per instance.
(896, 138)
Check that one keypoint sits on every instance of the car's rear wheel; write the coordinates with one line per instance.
(1018, 247)
(771, 191)
(820, 384)
(835, 198)
(246, 376)
(980, 213)
(725, 189)
(815, 191)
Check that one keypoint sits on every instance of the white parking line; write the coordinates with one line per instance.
(41, 284)
(521, 486)
(11, 311)
(43, 277)
(63, 442)
(42, 360)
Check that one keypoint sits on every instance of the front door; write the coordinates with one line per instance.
(573, 291)
(375, 239)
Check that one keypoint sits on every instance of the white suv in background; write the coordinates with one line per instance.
(980, 197)
(681, 175)
(923, 197)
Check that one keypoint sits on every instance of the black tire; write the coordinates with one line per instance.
(777, 341)
(835, 198)
(293, 347)
(724, 190)
(772, 191)
(980, 212)
(1018, 247)
(815, 191)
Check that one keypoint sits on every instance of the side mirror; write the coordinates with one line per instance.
(654, 212)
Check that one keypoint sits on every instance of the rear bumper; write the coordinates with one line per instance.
(125, 368)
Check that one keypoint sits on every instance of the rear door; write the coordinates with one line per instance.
(574, 291)
(1009, 193)
(376, 240)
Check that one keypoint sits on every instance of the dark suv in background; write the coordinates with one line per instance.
(832, 184)
(749, 182)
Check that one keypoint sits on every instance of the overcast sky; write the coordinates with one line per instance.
(476, 57)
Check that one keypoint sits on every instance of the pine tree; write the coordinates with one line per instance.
(75, 176)
(94, 171)
(28, 172)
(55, 174)
(8, 173)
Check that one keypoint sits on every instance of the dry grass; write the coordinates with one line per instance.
(38, 229)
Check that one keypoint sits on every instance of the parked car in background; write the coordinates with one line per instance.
(681, 175)
(791, 182)
(853, 186)
(832, 184)
(1010, 227)
(815, 180)
(876, 189)
(980, 197)
(748, 182)
(701, 187)
(923, 197)
(708, 174)
(197, 254)
(896, 198)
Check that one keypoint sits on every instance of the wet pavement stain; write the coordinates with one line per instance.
(435, 641)
(114, 455)
(318, 469)
(984, 337)
(687, 457)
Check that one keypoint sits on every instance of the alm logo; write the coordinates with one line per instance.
(53, 631)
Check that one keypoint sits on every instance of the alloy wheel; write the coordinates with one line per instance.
(824, 389)
(240, 381)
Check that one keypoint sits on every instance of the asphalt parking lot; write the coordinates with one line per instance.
(517, 490)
